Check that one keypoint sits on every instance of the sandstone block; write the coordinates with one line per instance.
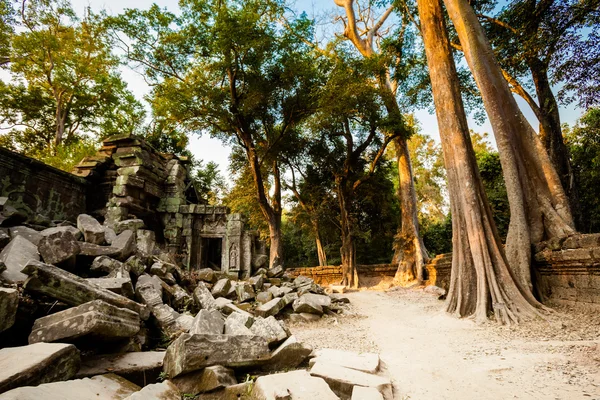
(275, 272)
(206, 380)
(342, 380)
(146, 242)
(296, 385)
(74, 231)
(245, 292)
(122, 286)
(147, 292)
(93, 232)
(221, 288)
(270, 308)
(166, 318)
(164, 391)
(128, 224)
(264, 297)
(9, 302)
(270, 329)
(304, 317)
(59, 247)
(221, 302)
(27, 233)
(4, 239)
(203, 298)
(257, 282)
(125, 245)
(135, 265)
(36, 364)
(207, 275)
(290, 354)
(192, 352)
(238, 323)
(14, 257)
(312, 303)
(208, 322)
(113, 268)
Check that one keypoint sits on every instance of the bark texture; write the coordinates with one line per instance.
(539, 207)
(481, 281)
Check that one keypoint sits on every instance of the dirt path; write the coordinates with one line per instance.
(432, 355)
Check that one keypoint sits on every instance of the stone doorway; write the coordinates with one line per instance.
(212, 249)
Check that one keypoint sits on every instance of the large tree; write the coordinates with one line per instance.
(365, 34)
(229, 68)
(539, 208)
(65, 81)
(481, 280)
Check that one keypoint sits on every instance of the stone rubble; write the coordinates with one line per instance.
(148, 328)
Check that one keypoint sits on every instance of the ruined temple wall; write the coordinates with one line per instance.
(36, 188)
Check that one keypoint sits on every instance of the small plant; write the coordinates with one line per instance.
(163, 376)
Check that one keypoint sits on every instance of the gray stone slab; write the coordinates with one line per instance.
(206, 380)
(264, 297)
(148, 292)
(165, 390)
(93, 232)
(14, 257)
(203, 298)
(270, 329)
(221, 288)
(208, 322)
(4, 238)
(296, 385)
(109, 386)
(342, 380)
(74, 231)
(192, 352)
(96, 319)
(289, 355)
(9, 302)
(59, 247)
(36, 364)
(238, 323)
(122, 286)
(270, 308)
(25, 232)
(73, 290)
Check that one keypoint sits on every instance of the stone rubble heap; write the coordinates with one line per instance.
(92, 312)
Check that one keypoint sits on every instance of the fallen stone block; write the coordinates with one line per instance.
(185, 322)
(9, 302)
(275, 291)
(4, 239)
(289, 298)
(109, 386)
(165, 390)
(138, 367)
(36, 364)
(365, 393)
(245, 292)
(304, 317)
(238, 324)
(166, 318)
(337, 288)
(146, 242)
(342, 380)
(230, 307)
(206, 275)
(124, 243)
(270, 329)
(206, 380)
(180, 299)
(59, 247)
(221, 288)
(109, 234)
(91, 250)
(312, 303)
(135, 265)
(275, 272)
(95, 320)
(257, 282)
(71, 229)
(73, 290)
(93, 232)
(192, 352)
(240, 391)
(264, 297)
(14, 257)
(289, 355)
(270, 308)
(113, 268)
(203, 298)
(27, 233)
(365, 362)
(128, 224)
(221, 302)
(438, 291)
(338, 298)
(208, 322)
(122, 286)
(296, 385)
(147, 292)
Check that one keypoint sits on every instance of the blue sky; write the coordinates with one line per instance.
(209, 149)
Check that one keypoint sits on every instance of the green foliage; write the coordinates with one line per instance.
(209, 182)
(437, 235)
(7, 22)
(583, 141)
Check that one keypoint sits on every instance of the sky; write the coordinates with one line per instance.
(208, 149)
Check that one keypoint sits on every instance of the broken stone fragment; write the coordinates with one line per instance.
(304, 317)
(67, 228)
(261, 271)
(122, 286)
(365, 393)
(128, 224)
(264, 297)
(146, 242)
(208, 322)
(290, 354)
(245, 292)
(238, 323)
(109, 235)
(59, 247)
(110, 266)
(165, 390)
(30, 234)
(296, 385)
(203, 298)
(257, 281)
(275, 272)
(36, 364)
(289, 299)
(4, 239)
(365, 362)
(339, 298)
(275, 291)
(270, 308)
(93, 232)
(73, 290)
(125, 245)
(184, 322)
(342, 380)
(166, 318)
(135, 265)
(206, 380)
(14, 257)
(180, 299)
(192, 352)
(270, 329)
(259, 261)
(95, 250)
(138, 367)
(229, 308)
(147, 292)
(206, 275)
(312, 303)
(9, 302)
(222, 302)
(109, 386)
(96, 320)
(221, 288)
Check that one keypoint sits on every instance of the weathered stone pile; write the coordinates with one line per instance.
(90, 311)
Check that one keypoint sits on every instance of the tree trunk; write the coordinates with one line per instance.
(551, 135)
(410, 253)
(320, 250)
(481, 281)
(539, 208)
(276, 249)
(348, 250)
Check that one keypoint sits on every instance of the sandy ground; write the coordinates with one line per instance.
(432, 355)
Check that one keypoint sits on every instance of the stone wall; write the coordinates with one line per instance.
(36, 188)
(567, 271)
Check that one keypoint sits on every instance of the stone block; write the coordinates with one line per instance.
(275, 272)
(312, 303)
(125, 245)
(165, 390)
(238, 323)
(206, 275)
(4, 239)
(184, 322)
(95, 320)
(93, 232)
(365, 362)
(128, 224)
(208, 322)
(289, 355)
(180, 299)
(296, 385)
(207, 380)
(109, 386)
(166, 318)
(342, 380)
(221, 288)
(146, 242)
(73, 290)
(9, 302)
(135, 265)
(147, 292)
(122, 286)
(304, 317)
(203, 297)
(37, 364)
(222, 302)
(365, 393)
(71, 229)
(27, 233)
(14, 257)
(138, 367)
(95, 250)
(59, 247)
(270, 329)
(264, 297)
(270, 308)
(106, 265)
(193, 352)
(245, 292)
(257, 282)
